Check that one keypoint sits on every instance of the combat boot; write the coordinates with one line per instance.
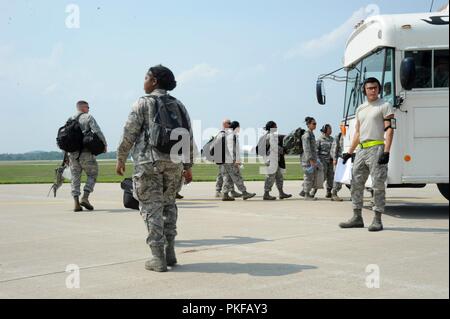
(356, 221)
(336, 198)
(85, 202)
(267, 196)
(313, 192)
(283, 195)
(227, 198)
(219, 195)
(302, 194)
(179, 196)
(171, 258)
(329, 195)
(158, 262)
(77, 207)
(246, 195)
(309, 197)
(236, 194)
(377, 225)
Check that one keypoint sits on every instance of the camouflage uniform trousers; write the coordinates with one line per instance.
(232, 176)
(336, 188)
(219, 181)
(328, 171)
(83, 162)
(155, 186)
(271, 179)
(366, 162)
(308, 180)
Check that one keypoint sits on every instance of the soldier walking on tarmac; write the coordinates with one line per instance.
(336, 153)
(84, 160)
(324, 144)
(309, 158)
(231, 164)
(226, 125)
(271, 147)
(374, 134)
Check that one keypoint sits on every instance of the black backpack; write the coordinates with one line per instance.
(70, 136)
(299, 137)
(168, 117)
(128, 200)
(93, 143)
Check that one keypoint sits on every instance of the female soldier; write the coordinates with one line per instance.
(273, 144)
(324, 145)
(232, 171)
(309, 157)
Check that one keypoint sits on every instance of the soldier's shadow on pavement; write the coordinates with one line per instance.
(115, 211)
(417, 230)
(225, 241)
(418, 211)
(252, 269)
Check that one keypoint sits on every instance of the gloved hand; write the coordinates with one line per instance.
(384, 158)
(347, 156)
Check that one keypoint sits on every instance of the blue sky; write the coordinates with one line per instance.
(251, 61)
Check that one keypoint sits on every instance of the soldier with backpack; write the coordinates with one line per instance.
(226, 153)
(271, 148)
(82, 139)
(208, 151)
(159, 132)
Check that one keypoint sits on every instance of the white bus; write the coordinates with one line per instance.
(409, 54)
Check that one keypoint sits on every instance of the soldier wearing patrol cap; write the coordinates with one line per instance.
(374, 134)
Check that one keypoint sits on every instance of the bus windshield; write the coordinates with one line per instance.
(380, 65)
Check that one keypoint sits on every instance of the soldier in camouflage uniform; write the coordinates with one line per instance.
(336, 153)
(309, 158)
(156, 175)
(231, 168)
(219, 184)
(84, 160)
(273, 155)
(219, 179)
(374, 135)
(324, 144)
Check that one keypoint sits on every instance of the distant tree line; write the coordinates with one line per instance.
(45, 156)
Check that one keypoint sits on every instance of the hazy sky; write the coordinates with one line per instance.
(252, 61)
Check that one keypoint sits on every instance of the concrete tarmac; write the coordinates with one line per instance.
(243, 249)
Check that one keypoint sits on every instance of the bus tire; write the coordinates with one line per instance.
(443, 188)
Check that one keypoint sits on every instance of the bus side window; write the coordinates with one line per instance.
(441, 68)
(423, 61)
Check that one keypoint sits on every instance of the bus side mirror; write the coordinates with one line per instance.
(320, 92)
(408, 73)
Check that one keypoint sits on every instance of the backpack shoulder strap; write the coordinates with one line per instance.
(157, 106)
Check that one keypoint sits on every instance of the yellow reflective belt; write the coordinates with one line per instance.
(371, 144)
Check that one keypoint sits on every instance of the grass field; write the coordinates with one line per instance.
(42, 172)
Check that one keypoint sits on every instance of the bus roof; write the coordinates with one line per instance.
(403, 31)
